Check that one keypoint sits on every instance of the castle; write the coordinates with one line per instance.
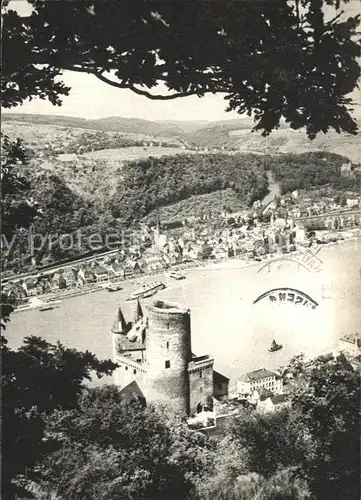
(154, 351)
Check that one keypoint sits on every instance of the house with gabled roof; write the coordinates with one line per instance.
(273, 403)
(257, 380)
(116, 270)
(132, 393)
(101, 274)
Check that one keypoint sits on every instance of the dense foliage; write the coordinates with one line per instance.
(309, 450)
(61, 439)
(17, 207)
(36, 380)
(308, 170)
(38, 208)
(154, 182)
(273, 59)
(116, 450)
(328, 416)
(109, 448)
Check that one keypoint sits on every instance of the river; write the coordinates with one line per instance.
(225, 322)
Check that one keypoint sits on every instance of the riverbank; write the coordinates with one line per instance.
(225, 322)
(237, 262)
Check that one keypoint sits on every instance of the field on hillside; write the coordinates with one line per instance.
(295, 141)
(39, 130)
(38, 136)
(133, 153)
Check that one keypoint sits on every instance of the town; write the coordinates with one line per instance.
(286, 224)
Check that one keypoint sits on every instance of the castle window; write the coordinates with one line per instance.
(168, 326)
(135, 371)
(167, 345)
(200, 374)
(126, 368)
(167, 364)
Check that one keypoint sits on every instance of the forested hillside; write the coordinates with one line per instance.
(87, 192)
(310, 169)
(155, 182)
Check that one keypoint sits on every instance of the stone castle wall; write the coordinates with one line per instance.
(201, 384)
(168, 352)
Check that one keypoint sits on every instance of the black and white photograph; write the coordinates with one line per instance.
(180, 249)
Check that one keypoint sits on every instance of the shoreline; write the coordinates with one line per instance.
(209, 265)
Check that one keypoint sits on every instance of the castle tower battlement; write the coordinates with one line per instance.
(168, 352)
(155, 352)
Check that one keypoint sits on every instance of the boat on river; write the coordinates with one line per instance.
(147, 290)
(275, 347)
(177, 275)
(36, 303)
(48, 307)
(114, 287)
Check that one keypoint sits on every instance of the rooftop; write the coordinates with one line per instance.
(259, 375)
(124, 345)
(132, 392)
(279, 399)
(352, 338)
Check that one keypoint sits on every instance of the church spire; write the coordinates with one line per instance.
(138, 313)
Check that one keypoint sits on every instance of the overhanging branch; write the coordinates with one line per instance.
(145, 93)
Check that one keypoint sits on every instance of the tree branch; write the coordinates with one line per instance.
(145, 93)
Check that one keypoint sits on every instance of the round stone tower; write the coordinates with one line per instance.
(168, 352)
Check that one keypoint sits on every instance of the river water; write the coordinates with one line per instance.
(225, 322)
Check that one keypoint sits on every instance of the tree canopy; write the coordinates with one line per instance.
(116, 450)
(36, 380)
(274, 59)
(154, 182)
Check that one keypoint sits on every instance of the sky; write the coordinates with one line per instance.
(90, 98)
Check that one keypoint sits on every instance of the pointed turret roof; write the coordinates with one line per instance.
(119, 325)
(138, 313)
(121, 320)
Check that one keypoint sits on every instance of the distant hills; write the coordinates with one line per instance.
(171, 128)
(230, 134)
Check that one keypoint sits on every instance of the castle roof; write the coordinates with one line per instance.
(132, 393)
(352, 338)
(120, 325)
(138, 313)
(220, 377)
(125, 344)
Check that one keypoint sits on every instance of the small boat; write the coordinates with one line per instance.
(53, 302)
(147, 290)
(114, 287)
(47, 308)
(275, 347)
(177, 275)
